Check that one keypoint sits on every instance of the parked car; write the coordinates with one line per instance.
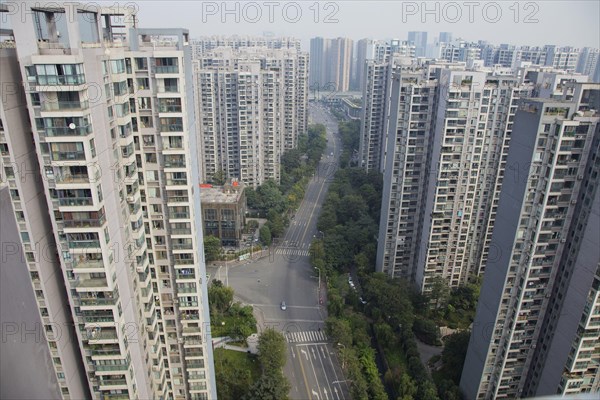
(283, 306)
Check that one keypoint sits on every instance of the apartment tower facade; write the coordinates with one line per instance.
(113, 132)
(537, 326)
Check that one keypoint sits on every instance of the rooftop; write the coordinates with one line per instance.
(221, 194)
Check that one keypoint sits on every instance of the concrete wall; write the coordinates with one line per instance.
(25, 362)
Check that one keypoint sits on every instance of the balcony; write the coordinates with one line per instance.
(64, 105)
(177, 182)
(121, 367)
(55, 80)
(76, 201)
(91, 283)
(68, 156)
(68, 178)
(84, 244)
(171, 128)
(167, 69)
(97, 301)
(179, 215)
(168, 89)
(85, 223)
(108, 383)
(66, 131)
(169, 108)
(85, 263)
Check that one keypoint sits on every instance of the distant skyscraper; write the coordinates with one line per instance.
(339, 61)
(114, 203)
(318, 72)
(445, 37)
(365, 50)
(589, 63)
(252, 107)
(331, 63)
(537, 327)
(419, 39)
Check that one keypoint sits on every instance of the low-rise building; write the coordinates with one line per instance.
(224, 211)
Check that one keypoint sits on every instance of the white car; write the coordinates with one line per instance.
(283, 306)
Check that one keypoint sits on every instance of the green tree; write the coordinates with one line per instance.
(427, 391)
(427, 331)
(453, 355)
(271, 350)
(219, 177)
(439, 294)
(339, 330)
(265, 235)
(212, 248)
(276, 223)
(220, 298)
(273, 386)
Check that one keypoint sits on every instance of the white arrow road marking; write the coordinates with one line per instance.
(313, 351)
(315, 394)
(336, 393)
(293, 354)
(325, 391)
(305, 353)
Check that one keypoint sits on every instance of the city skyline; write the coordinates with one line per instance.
(398, 19)
(183, 183)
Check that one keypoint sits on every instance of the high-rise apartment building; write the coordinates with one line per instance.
(319, 49)
(111, 126)
(331, 64)
(460, 51)
(339, 63)
(419, 40)
(365, 50)
(252, 106)
(589, 63)
(445, 141)
(537, 326)
(205, 44)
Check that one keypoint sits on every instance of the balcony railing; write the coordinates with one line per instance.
(167, 69)
(68, 156)
(176, 182)
(84, 244)
(51, 80)
(113, 382)
(85, 223)
(66, 131)
(121, 367)
(64, 105)
(67, 178)
(171, 128)
(88, 264)
(97, 301)
(163, 108)
(179, 215)
(76, 201)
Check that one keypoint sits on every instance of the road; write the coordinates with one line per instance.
(285, 275)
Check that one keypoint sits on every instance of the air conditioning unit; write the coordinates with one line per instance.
(149, 329)
(140, 269)
(130, 199)
(175, 301)
(580, 177)
(155, 368)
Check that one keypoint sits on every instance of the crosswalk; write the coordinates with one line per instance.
(306, 337)
(292, 251)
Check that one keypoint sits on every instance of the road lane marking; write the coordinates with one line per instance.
(305, 381)
(315, 374)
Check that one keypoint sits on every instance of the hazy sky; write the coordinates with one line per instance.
(559, 22)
